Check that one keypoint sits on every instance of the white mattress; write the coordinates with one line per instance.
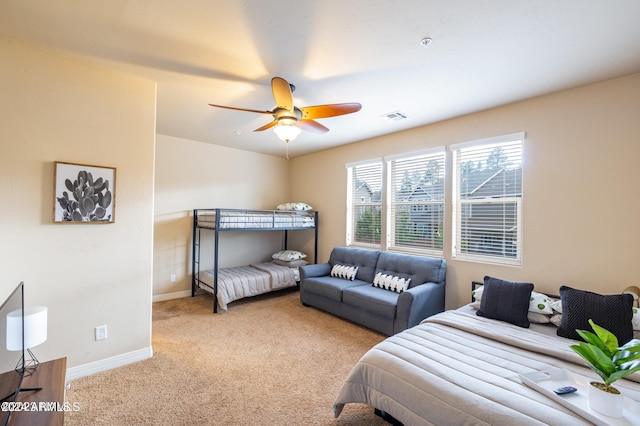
(256, 220)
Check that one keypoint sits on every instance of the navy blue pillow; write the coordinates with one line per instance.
(612, 312)
(506, 301)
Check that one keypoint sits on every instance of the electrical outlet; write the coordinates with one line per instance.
(101, 332)
(173, 278)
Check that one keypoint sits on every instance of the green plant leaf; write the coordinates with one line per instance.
(591, 338)
(604, 356)
(622, 373)
(608, 338)
(593, 355)
(632, 345)
(625, 357)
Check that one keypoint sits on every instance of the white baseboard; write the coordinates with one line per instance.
(169, 296)
(108, 364)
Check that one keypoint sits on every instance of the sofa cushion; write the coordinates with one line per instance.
(420, 269)
(330, 287)
(372, 299)
(364, 259)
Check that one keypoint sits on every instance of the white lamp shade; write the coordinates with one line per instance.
(633, 290)
(35, 328)
(287, 133)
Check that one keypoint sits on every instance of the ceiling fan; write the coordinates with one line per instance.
(289, 120)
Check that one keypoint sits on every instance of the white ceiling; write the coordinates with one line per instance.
(484, 53)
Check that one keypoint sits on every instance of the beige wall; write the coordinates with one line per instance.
(56, 108)
(191, 175)
(581, 178)
(580, 205)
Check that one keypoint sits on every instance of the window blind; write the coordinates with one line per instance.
(487, 211)
(416, 204)
(364, 204)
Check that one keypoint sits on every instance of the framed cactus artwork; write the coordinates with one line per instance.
(84, 194)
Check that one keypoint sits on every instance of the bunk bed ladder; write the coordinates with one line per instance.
(195, 254)
(315, 239)
(215, 264)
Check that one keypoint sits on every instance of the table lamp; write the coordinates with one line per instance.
(635, 292)
(35, 333)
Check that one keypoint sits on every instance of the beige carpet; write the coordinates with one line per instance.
(267, 361)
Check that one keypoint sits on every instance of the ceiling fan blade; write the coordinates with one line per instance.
(312, 126)
(330, 110)
(266, 126)
(242, 109)
(282, 93)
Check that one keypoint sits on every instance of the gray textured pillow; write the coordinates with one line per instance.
(612, 312)
(506, 301)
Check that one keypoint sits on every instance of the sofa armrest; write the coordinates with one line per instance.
(418, 303)
(315, 270)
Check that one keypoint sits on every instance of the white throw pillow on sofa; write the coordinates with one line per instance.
(391, 282)
(344, 271)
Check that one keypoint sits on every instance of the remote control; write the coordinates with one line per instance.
(564, 390)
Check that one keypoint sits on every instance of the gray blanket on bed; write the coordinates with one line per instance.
(457, 368)
(246, 281)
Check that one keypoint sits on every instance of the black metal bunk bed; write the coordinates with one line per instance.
(236, 220)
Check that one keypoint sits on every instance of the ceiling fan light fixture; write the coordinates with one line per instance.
(287, 133)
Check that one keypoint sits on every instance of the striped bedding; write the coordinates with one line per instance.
(459, 368)
(246, 281)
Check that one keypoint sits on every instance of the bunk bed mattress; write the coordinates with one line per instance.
(246, 281)
(459, 368)
(281, 276)
(267, 220)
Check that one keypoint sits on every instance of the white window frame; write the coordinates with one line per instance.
(457, 204)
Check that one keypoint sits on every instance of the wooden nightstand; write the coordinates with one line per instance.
(50, 376)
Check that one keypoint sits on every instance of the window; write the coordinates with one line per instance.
(364, 204)
(416, 203)
(487, 207)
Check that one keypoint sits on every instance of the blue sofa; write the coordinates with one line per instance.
(359, 301)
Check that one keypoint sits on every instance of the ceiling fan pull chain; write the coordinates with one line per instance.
(287, 150)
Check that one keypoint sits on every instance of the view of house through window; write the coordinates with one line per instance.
(399, 203)
(364, 209)
(487, 209)
(416, 203)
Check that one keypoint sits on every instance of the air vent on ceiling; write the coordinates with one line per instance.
(394, 116)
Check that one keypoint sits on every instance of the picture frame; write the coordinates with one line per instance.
(84, 194)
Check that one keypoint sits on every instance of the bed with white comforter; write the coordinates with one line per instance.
(457, 368)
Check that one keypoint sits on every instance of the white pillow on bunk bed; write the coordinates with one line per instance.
(294, 206)
(288, 255)
(291, 263)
